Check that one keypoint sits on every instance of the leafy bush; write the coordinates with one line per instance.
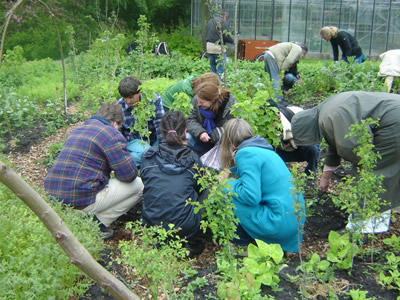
(33, 265)
(180, 40)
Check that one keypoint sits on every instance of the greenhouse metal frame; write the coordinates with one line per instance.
(374, 23)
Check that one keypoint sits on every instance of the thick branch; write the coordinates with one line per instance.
(72, 247)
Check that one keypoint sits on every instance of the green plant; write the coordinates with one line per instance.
(253, 105)
(182, 103)
(361, 196)
(264, 262)
(393, 242)
(159, 254)
(341, 250)
(359, 295)
(390, 276)
(52, 153)
(33, 265)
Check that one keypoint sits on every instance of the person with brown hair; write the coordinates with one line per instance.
(81, 174)
(347, 43)
(168, 174)
(187, 86)
(262, 190)
(211, 109)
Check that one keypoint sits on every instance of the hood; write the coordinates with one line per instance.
(172, 159)
(305, 127)
(255, 142)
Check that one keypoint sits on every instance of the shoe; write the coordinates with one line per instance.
(195, 247)
(106, 232)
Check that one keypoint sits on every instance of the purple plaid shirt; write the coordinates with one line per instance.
(83, 167)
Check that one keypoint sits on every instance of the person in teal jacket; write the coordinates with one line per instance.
(262, 192)
(187, 86)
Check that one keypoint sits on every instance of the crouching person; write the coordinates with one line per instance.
(81, 174)
(168, 175)
(262, 189)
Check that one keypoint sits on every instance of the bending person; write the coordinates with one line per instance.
(187, 86)
(262, 191)
(347, 43)
(331, 120)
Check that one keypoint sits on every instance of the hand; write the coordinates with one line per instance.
(204, 137)
(298, 76)
(224, 174)
(324, 182)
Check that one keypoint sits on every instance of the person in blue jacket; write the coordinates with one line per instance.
(262, 192)
(168, 175)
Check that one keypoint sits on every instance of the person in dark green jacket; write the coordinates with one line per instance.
(331, 120)
(187, 86)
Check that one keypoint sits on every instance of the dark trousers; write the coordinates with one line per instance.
(310, 154)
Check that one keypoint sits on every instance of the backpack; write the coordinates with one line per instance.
(133, 46)
(161, 48)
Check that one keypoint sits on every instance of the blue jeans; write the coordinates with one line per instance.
(310, 154)
(136, 148)
(358, 59)
(216, 64)
(198, 146)
(288, 81)
(271, 67)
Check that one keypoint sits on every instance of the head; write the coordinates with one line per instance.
(112, 112)
(173, 128)
(303, 47)
(209, 96)
(224, 15)
(129, 89)
(328, 32)
(235, 132)
(206, 77)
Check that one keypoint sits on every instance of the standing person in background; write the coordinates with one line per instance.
(262, 190)
(216, 27)
(281, 57)
(130, 96)
(211, 109)
(168, 173)
(80, 176)
(347, 43)
(187, 86)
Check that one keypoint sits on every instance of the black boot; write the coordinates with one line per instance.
(106, 232)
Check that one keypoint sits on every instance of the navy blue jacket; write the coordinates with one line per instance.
(168, 176)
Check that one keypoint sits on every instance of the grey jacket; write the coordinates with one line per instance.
(331, 120)
(196, 120)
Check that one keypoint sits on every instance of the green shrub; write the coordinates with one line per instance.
(33, 265)
(180, 40)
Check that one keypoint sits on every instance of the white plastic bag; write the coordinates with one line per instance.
(212, 158)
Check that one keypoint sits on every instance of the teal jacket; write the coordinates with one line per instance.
(262, 195)
(183, 86)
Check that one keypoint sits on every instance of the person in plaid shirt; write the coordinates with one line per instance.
(131, 95)
(80, 176)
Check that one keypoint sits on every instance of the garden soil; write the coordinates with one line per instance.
(325, 217)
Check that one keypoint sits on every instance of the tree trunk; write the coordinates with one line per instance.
(78, 255)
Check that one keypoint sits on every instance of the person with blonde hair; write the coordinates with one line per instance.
(347, 43)
(262, 192)
(187, 86)
(211, 109)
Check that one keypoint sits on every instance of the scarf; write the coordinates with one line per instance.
(209, 118)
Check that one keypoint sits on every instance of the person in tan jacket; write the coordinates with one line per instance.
(281, 57)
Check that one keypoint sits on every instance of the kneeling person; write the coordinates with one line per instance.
(81, 174)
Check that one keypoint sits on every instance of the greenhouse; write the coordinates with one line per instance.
(374, 23)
